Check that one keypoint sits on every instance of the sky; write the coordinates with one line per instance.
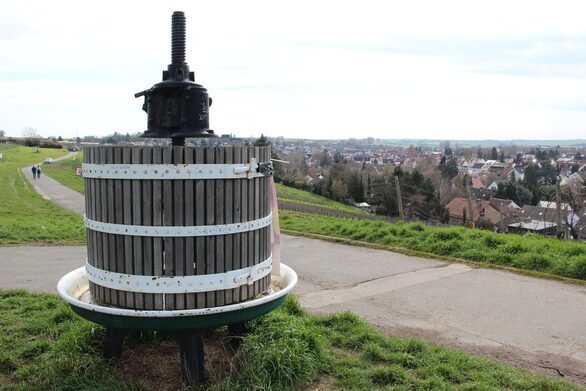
(303, 69)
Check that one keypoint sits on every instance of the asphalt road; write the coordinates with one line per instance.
(532, 323)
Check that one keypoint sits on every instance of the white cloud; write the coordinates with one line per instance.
(451, 69)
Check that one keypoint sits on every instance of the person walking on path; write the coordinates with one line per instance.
(34, 170)
(39, 172)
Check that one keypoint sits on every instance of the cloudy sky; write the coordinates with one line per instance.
(311, 69)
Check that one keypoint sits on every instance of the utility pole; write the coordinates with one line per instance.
(558, 207)
(399, 201)
(469, 191)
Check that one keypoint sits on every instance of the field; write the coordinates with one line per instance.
(26, 216)
(290, 194)
(64, 171)
(45, 346)
(530, 252)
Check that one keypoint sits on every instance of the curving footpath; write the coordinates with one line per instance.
(531, 323)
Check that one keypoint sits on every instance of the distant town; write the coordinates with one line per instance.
(507, 186)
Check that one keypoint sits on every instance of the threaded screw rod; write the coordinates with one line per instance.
(178, 38)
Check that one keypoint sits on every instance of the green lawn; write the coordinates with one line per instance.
(25, 217)
(45, 346)
(529, 252)
(64, 171)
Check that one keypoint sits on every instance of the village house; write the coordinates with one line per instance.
(482, 211)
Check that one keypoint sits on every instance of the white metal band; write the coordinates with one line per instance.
(172, 171)
(179, 284)
(178, 231)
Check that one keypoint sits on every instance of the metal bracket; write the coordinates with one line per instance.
(178, 231)
(173, 171)
(179, 284)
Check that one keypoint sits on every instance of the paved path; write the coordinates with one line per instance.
(532, 323)
(54, 191)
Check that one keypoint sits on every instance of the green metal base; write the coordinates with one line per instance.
(175, 323)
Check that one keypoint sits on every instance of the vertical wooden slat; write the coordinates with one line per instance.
(97, 216)
(89, 198)
(119, 219)
(127, 218)
(137, 258)
(158, 259)
(104, 217)
(147, 219)
(168, 221)
(178, 219)
(210, 220)
(244, 215)
(228, 219)
(188, 207)
(200, 219)
(219, 219)
(251, 234)
(237, 208)
(257, 233)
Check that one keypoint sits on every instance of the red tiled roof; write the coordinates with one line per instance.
(458, 204)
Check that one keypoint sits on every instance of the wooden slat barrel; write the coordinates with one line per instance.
(216, 253)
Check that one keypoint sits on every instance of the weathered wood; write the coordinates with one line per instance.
(147, 219)
(119, 219)
(189, 209)
(127, 208)
(244, 236)
(137, 241)
(228, 219)
(219, 219)
(168, 253)
(158, 249)
(104, 217)
(210, 220)
(237, 238)
(178, 219)
(200, 219)
(177, 203)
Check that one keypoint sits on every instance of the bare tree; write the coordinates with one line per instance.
(2, 133)
(30, 132)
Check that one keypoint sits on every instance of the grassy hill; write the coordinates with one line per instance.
(528, 252)
(25, 217)
(64, 171)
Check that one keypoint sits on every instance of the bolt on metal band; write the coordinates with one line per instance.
(179, 284)
(177, 171)
(178, 231)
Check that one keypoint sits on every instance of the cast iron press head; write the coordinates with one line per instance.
(177, 107)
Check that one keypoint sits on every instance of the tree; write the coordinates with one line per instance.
(448, 168)
(30, 132)
(2, 133)
(338, 190)
(502, 159)
(355, 187)
(494, 154)
(338, 158)
(262, 141)
(326, 159)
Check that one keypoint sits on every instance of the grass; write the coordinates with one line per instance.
(290, 194)
(25, 216)
(529, 252)
(45, 346)
(63, 171)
